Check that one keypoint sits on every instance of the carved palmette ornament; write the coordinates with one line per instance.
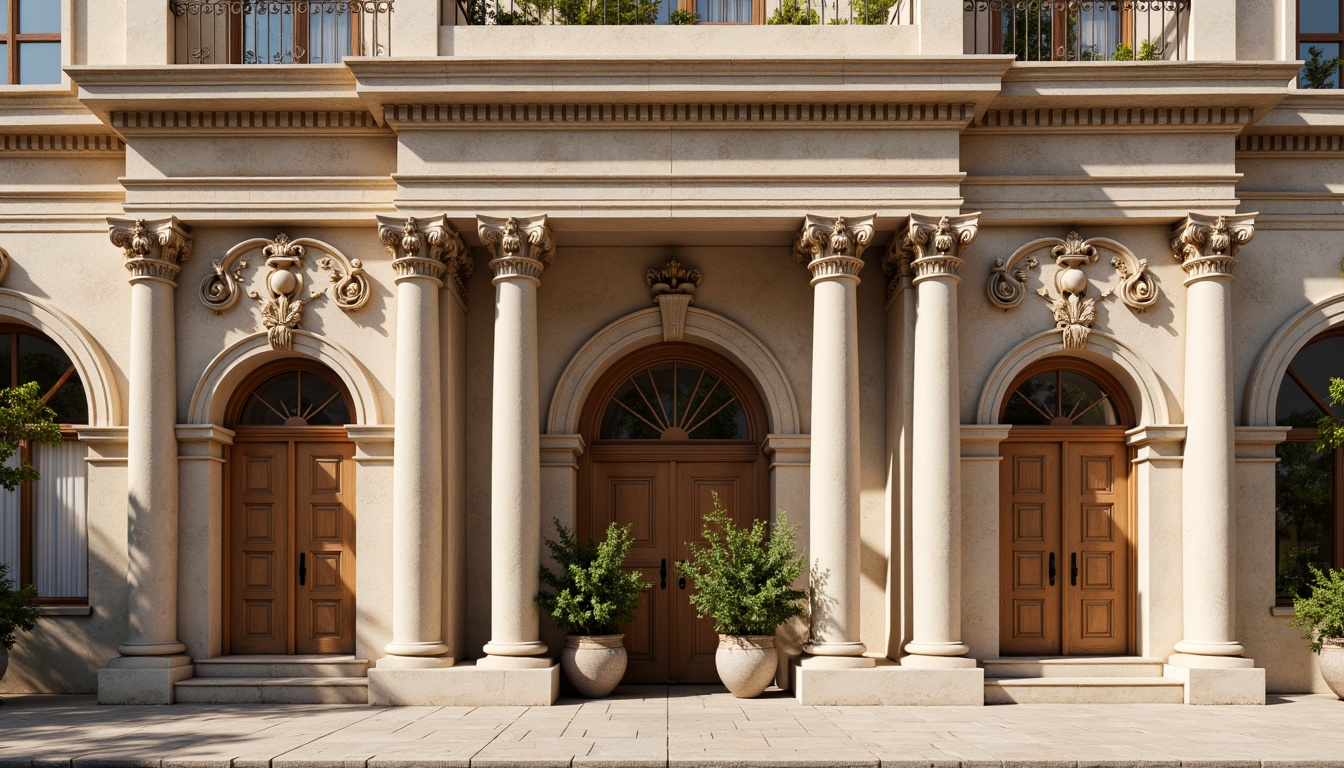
(282, 299)
(1073, 310)
(673, 288)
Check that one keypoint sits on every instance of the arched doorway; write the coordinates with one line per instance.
(668, 427)
(1065, 523)
(290, 521)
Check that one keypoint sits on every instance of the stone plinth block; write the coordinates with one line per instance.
(142, 679)
(465, 685)
(889, 685)
(1219, 685)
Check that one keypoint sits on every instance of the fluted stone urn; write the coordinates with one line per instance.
(1331, 663)
(594, 664)
(746, 663)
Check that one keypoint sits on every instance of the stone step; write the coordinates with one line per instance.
(1072, 666)
(314, 665)
(273, 690)
(1084, 690)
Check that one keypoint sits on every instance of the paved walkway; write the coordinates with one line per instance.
(658, 726)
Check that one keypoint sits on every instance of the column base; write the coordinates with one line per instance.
(837, 662)
(1217, 679)
(915, 661)
(887, 684)
(142, 679)
(465, 685)
(414, 662)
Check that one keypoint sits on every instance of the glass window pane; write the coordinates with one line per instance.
(4, 63)
(39, 17)
(7, 360)
(1318, 16)
(1317, 363)
(1295, 408)
(4, 17)
(39, 63)
(727, 11)
(328, 33)
(296, 399)
(9, 526)
(1328, 52)
(268, 36)
(42, 361)
(1033, 402)
(1304, 515)
(60, 522)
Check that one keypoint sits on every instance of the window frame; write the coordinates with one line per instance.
(757, 13)
(300, 34)
(1320, 37)
(13, 39)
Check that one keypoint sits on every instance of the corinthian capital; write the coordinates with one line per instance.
(154, 249)
(518, 247)
(833, 247)
(1207, 245)
(427, 247)
(934, 245)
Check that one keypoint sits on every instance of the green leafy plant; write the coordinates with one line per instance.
(1316, 72)
(1321, 613)
(23, 418)
(744, 579)
(1147, 52)
(591, 12)
(17, 611)
(592, 593)
(1330, 430)
(794, 12)
(683, 16)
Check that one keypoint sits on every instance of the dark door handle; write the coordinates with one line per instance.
(303, 568)
(1052, 569)
(1073, 569)
(681, 582)
(662, 574)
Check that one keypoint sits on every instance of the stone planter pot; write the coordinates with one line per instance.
(594, 664)
(1331, 663)
(746, 663)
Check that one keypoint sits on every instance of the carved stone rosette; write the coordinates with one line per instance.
(1206, 246)
(283, 302)
(833, 247)
(154, 249)
(1073, 310)
(673, 288)
(518, 247)
(933, 246)
(427, 247)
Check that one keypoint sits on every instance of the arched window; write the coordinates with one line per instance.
(44, 524)
(675, 400)
(301, 395)
(1309, 507)
(1054, 395)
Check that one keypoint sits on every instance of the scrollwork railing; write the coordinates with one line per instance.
(1079, 30)
(280, 31)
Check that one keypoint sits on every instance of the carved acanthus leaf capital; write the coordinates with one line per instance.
(427, 247)
(935, 243)
(1207, 245)
(519, 247)
(896, 266)
(154, 249)
(833, 247)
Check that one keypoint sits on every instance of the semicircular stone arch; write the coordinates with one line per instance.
(645, 328)
(90, 361)
(1262, 390)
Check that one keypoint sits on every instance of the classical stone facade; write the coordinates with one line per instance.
(386, 313)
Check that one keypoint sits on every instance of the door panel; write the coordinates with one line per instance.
(324, 507)
(1029, 482)
(258, 530)
(1096, 533)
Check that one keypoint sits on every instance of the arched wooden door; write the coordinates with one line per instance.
(667, 428)
(1065, 524)
(290, 526)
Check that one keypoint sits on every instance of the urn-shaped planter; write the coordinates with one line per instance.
(746, 663)
(594, 664)
(1331, 664)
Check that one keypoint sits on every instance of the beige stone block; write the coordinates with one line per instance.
(890, 685)
(140, 685)
(465, 685)
(1225, 685)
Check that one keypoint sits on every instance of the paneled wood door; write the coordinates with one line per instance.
(1065, 548)
(291, 558)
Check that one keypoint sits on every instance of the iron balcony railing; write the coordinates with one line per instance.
(632, 12)
(1079, 30)
(280, 32)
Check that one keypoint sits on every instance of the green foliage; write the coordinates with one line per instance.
(1292, 578)
(593, 594)
(794, 12)
(683, 16)
(588, 12)
(1330, 430)
(17, 611)
(1316, 72)
(1321, 613)
(1147, 52)
(743, 579)
(866, 12)
(23, 417)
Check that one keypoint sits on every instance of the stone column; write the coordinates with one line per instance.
(151, 658)
(832, 250)
(520, 249)
(900, 415)
(934, 246)
(1207, 249)
(423, 252)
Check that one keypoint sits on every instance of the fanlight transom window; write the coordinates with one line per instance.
(676, 400)
(295, 398)
(1062, 397)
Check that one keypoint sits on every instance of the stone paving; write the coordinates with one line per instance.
(677, 726)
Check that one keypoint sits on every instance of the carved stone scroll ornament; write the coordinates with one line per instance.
(429, 247)
(933, 245)
(832, 247)
(673, 288)
(518, 247)
(154, 249)
(1073, 310)
(4, 264)
(1207, 246)
(283, 301)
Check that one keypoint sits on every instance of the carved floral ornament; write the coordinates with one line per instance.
(673, 288)
(518, 247)
(1206, 246)
(427, 248)
(833, 247)
(926, 247)
(1073, 310)
(154, 249)
(283, 301)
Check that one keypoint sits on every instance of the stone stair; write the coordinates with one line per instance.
(313, 679)
(1079, 680)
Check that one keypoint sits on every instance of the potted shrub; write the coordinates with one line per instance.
(744, 580)
(589, 598)
(1321, 614)
(17, 612)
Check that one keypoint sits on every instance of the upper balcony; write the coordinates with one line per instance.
(1079, 30)
(280, 31)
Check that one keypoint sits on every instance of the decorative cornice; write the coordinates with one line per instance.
(427, 247)
(1206, 246)
(934, 244)
(43, 142)
(1298, 143)
(259, 120)
(833, 247)
(1125, 117)
(606, 115)
(518, 247)
(153, 249)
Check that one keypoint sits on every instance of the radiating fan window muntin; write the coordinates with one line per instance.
(295, 398)
(1062, 397)
(675, 400)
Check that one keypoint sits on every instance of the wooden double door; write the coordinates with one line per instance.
(1064, 557)
(664, 501)
(291, 545)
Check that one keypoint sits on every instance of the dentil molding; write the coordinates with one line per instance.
(673, 288)
(641, 115)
